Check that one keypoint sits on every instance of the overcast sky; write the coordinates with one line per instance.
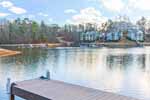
(74, 11)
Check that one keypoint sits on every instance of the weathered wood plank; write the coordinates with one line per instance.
(55, 90)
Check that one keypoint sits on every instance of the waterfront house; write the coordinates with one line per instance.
(113, 36)
(102, 36)
(117, 32)
(124, 30)
(89, 36)
(135, 34)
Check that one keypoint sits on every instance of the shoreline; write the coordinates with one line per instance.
(4, 52)
(32, 45)
(53, 45)
(7, 52)
(116, 44)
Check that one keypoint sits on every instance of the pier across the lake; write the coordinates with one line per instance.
(42, 89)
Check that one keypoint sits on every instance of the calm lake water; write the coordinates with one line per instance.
(121, 71)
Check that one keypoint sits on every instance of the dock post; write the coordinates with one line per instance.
(48, 75)
(8, 85)
(12, 96)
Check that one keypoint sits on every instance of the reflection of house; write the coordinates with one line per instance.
(89, 36)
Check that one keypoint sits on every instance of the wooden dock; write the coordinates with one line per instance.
(42, 89)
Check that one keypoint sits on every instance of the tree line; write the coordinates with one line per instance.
(30, 31)
(26, 31)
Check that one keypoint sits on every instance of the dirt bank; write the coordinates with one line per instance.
(5, 52)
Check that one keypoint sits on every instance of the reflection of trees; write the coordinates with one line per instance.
(147, 62)
(29, 57)
(141, 61)
(125, 61)
(58, 59)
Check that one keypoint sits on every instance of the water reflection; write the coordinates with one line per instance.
(126, 61)
(121, 71)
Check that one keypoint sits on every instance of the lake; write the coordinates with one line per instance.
(121, 71)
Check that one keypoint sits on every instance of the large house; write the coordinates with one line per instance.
(90, 36)
(135, 35)
(124, 30)
(116, 32)
(113, 36)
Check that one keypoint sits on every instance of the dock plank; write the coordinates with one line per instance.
(39, 89)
